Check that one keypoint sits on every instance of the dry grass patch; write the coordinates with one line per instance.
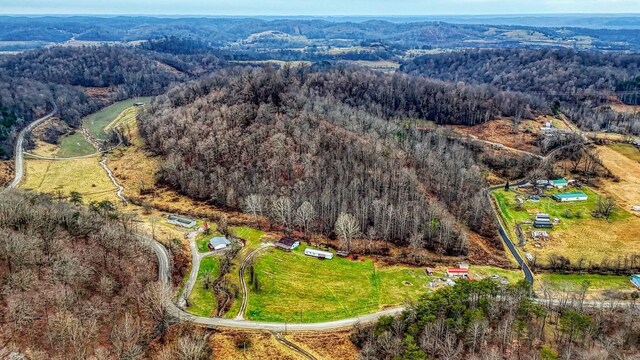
(502, 131)
(85, 176)
(326, 345)
(263, 346)
(6, 171)
(627, 190)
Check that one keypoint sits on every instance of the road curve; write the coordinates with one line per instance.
(19, 158)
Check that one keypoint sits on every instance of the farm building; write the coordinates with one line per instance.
(218, 242)
(320, 254)
(635, 280)
(181, 221)
(559, 183)
(429, 271)
(287, 243)
(570, 196)
(457, 272)
(542, 221)
(635, 208)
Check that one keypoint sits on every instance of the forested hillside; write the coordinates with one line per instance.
(570, 81)
(288, 142)
(74, 281)
(31, 81)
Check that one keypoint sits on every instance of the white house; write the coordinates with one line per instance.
(320, 254)
(218, 242)
(287, 243)
(457, 272)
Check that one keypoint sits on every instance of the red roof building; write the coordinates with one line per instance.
(457, 272)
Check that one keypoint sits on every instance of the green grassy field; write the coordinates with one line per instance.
(297, 288)
(203, 301)
(98, 121)
(85, 176)
(575, 281)
(75, 144)
(253, 238)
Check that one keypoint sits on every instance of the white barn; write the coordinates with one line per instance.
(321, 254)
(218, 242)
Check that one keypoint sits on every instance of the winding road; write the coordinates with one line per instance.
(164, 274)
(19, 150)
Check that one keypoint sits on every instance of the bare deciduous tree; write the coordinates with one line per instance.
(347, 229)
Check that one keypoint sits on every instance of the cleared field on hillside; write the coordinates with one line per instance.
(74, 145)
(297, 288)
(578, 235)
(98, 121)
(85, 176)
(622, 161)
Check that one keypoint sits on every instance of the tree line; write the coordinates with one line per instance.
(481, 320)
(577, 83)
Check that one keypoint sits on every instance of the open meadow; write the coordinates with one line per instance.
(98, 121)
(578, 236)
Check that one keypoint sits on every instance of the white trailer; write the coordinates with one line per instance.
(320, 254)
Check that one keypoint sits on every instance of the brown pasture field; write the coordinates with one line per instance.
(326, 345)
(500, 131)
(263, 346)
(627, 190)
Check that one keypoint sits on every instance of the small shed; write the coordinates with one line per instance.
(457, 272)
(429, 271)
(635, 280)
(342, 253)
(559, 183)
(181, 221)
(320, 254)
(218, 242)
(570, 196)
(635, 208)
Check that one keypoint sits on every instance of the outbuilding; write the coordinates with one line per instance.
(320, 254)
(570, 196)
(559, 183)
(181, 221)
(635, 280)
(457, 272)
(287, 243)
(218, 242)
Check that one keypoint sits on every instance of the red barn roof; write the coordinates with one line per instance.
(458, 270)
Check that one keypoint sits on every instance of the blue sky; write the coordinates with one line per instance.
(317, 7)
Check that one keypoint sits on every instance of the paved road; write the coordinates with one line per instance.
(19, 158)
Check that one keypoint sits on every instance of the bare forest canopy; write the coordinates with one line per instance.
(75, 281)
(577, 83)
(269, 141)
(481, 320)
(31, 81)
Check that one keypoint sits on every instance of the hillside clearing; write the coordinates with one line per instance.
(98, 121)
(74, 144)
(85, 176)
(202, 301)
(619, 160)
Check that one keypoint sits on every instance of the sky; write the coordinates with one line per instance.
(317, 7)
